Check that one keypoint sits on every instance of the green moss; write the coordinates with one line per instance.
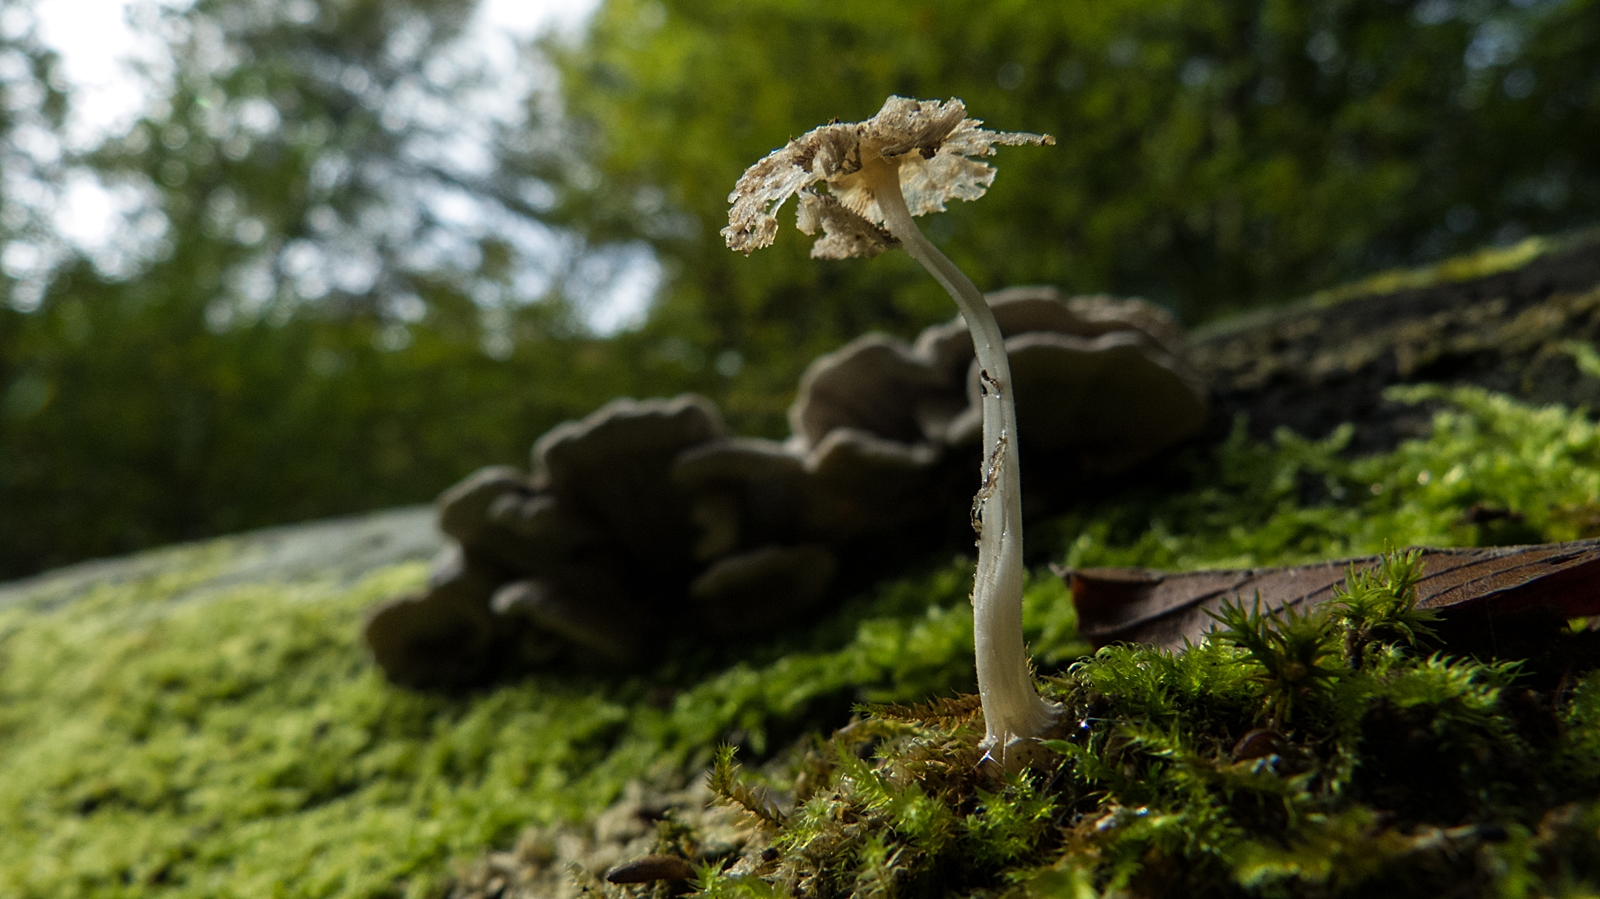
(1533, 475)
(241, 744)
(238, 743)
(1271, 760)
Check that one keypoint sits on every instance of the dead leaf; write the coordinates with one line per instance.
(1137, 605)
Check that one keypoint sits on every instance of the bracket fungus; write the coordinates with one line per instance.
(646, 519)
(908, 160)
(1103, 383)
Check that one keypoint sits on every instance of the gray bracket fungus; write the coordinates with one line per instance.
(586, 608)
(1107, 403)
(746, 492)
(875, 383)
(443, 636)
(614, 468)
(788, 580)
(869, 484)
(648, 520)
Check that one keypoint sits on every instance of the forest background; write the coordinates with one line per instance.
(331, 292)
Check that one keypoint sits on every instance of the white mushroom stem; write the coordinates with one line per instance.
(1012, 709)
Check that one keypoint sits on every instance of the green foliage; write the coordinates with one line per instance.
(254, 426)
(295, 329)
(1587, 357)
(1294, 651)
(271, 339)
(729, 787)
(1210, 157)
(1535, 470)
(1381, 604)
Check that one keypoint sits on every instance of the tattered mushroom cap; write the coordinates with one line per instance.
(874, 383)
(745, 491)
(1108, 402)
(866, 483)
(845, 234)
(1022, 310)
(760, 590)
(932, 142)
(614, 469)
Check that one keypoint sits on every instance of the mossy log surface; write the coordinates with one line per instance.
(1498, 320)
(202, 720)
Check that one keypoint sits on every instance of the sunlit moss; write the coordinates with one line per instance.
(238, 743)
(1228, 770)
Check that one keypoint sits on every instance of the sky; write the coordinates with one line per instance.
(99, 48)
(103, 52)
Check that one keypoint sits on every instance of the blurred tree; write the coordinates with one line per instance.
(336, 283)
(316, 302)
(1212, 156)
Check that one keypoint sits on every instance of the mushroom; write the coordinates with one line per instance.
(496, 513)
(755, 591)
(1106, 403)
(908, 160)
(865, 483)
(1025, 310)
(442, 637)
(745, 491)
(584, 607)
(1128, 355)
(614, 469)
(874, 383)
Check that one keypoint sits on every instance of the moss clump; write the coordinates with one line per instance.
(239, 744)
(1326, 753)
(1493, 471)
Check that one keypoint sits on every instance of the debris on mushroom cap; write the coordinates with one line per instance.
(1110, 402)
(874, 383)
(931, 140)
(745, 491)
(758, 590)
(614, 467)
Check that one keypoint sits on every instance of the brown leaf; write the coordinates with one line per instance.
(650, 869)
(1137, 605)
